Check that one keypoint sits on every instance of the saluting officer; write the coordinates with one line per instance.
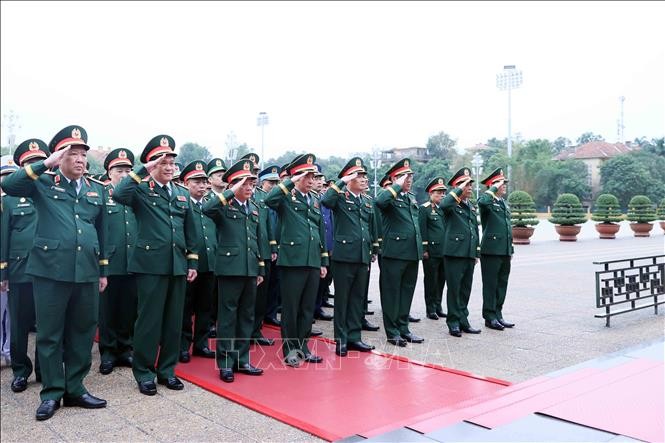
(164, 260)
(215, 170)
(356, 245)
(496, 249)
(199, 294)
(430, 217)
(117, 307)
(461, 251)
(302, 258)
(402, 249)
(239, 268)
(19, 222)
(68, 264)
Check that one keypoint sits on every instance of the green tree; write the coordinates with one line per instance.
(561, 177)
(441, 146)
(655, 146)
(560, 144)
(425, 172)
(193, 151)
(284, 158)
(632, 174)
(589, 137)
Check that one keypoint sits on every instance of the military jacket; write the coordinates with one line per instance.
(430, 218)
(70, 237)
(301, 230)
(121, 233)
(354, 227)
(265, 222)
(378, 222)
(167, 240)
(401, 231)
(497, 227)
(208, 240)
(239, 236)
(19, 223)
(460, 226)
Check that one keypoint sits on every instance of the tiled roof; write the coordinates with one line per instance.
(595, 149)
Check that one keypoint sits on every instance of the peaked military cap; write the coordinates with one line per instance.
(70, 136)
(270, 173)
(401, 167)
(318, 172)
(240, 169)
(196, 169)
(460, 176)
(385, 181)
(157, 146)
(254, 158)
(354, 165)
(284, 170)
(178, 170)
(215, 165)
(303, 163)
(494, 176)
(437, 184)
(119, 157)
(29, 149)
(7, 165)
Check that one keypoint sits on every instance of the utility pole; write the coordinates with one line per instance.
(620, 125)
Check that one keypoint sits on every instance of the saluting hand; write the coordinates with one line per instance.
(296, 178)
(348, 178)
(463, 184)
(54, 160)
(498, 183)
(401, 179)
(152, 164)
(235, 188)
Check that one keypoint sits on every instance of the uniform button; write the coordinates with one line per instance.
(207, 249)
(174, 245)
(228, 253)
(204, 227)
(154, 204)
(45, 248)
(22, 213)
(343, 241)
(126, 222)
(129, 246)
(291, 243)
(55, 197)
(171, 217)
(397, 238)
(147, 247)
(78, 248)
(77, 216)
(456, 238)
(173, 229)
(77, 200)
(206, 237)
(79, 231)
(128, 234)
(126, 212)
(247, 238)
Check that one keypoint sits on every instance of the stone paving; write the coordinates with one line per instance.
(550, 298)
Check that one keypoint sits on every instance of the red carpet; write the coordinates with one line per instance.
(363, 394)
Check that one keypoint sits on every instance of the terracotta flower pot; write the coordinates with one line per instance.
(641, 229)
(607, 230)
(522, 234)
(567, 232)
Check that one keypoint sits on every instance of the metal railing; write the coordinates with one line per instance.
(629, 285)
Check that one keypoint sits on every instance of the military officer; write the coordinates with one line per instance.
(269, 177)
(239, 268)
(496, 249)
(430, 217)
(117, 306)
(19, 222)
(356, 246)
(198, 297)
(402, 249)
(461, 251)
(7, 167)
(164, 260)
(176, 174)
(215, 170)
(302, 257)
(68, 264)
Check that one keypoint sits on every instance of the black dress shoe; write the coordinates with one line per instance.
(359, 346)
(203, 352)
(106, 367)
(413, 319)
(323, 316)
(397, 341)
(126, 361)
(367, 326)
(147, 387)
(311, 358)
(432, 316)
(172, 383)
(455, 332)
(86, 401)
(226, 375)
(341, 350)
(184, 357)
(327, 304)
(315, 332)
(262, 341)
(292, 361)
(412, 338)
(272, 321)
(369, 313)
(47, 409)
(441, 314)
(505, 324)
(470, 330)
(19, 384)
(494, 324)
(249, 369)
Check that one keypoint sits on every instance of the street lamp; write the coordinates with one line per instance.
(477, 163)
(262, 120)
(507, 80)
(376, 164)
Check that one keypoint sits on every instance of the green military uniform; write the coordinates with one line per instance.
(17, 231)
(461, 248)
(401, 251)
(430, 217)
(355, 240)
(117, 306)
(238, 263)
(496, 249)
(301, 255)
(167, 247)
(200, 292)
(67, 259)
(215, 165)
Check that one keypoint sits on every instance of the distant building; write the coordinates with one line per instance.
(415, 153)
(594, 154)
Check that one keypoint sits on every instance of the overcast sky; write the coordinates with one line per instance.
(334, 78)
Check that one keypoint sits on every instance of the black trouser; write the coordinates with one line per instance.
(117, 315)
(274, 295)
(459, 278)
(198, 302)
(495, 270)
(298, 286)
(21, 305)
(261, 303)
(398, 281)
(433, 281)
(237, 296)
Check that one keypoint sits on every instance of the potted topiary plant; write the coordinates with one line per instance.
(660, 213)
(607, 211)
(522, 216)
(641, 212)
(568, 215)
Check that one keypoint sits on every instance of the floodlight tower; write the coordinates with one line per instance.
(507, 80)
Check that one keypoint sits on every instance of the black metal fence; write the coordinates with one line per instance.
(630, 284)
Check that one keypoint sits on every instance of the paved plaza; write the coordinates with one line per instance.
(551, 298)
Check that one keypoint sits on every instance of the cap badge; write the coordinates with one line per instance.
(252, 159)
(33, 146)
(440, 181)
(122, 154)
(199, 167)
(76, 133)
(274, 170)
(466, 172)
(359, 162)
(406, 163)
(501, 171)
(310, 160)
(218, 162)
(246, 166)
(164, 142)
